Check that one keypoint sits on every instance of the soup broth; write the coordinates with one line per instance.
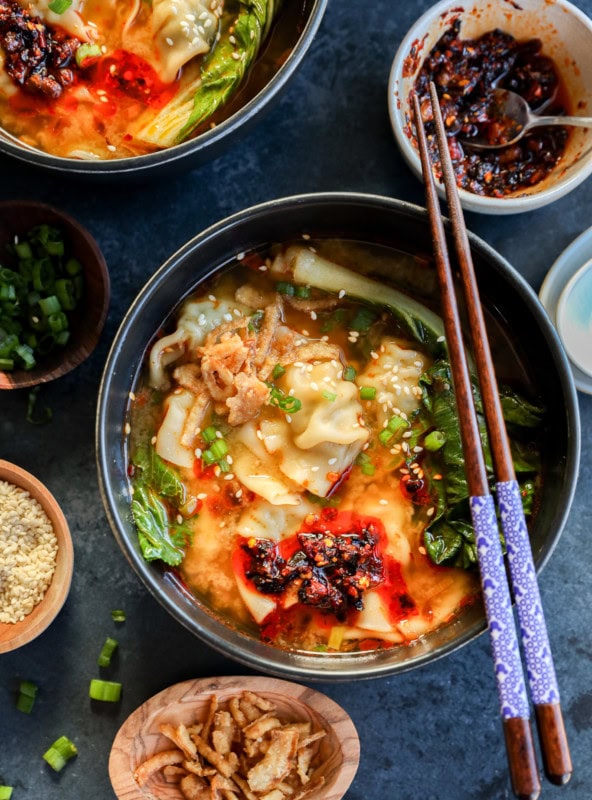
(293, 446)
(121, 79)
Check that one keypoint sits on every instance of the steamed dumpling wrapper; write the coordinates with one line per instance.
(182, 30)
(70, 19)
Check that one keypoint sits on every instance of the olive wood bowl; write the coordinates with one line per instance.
(139, 737)
(13, 635)
(17, 217)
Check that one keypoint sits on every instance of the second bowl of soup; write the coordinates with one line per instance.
(283, 468)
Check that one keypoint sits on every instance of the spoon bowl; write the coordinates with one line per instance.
(509, 118)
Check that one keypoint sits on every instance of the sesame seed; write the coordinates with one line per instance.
(229, 477)
(238, 493)
(212, 298)
(197, 452)
(240, 256)
(313, 314)
(179, 519)
(288, 418)
(236, 56)
(127, 429)
(153, 440)
(341, 293)
(111, 148)
(332, 461)
(314, 386)
(422, 550)
(430, 511)
(262, 268)
(441, 339)
(374, 355)
(169, 41)
(306, 236)
(202, 496)
(417, 449)
(314, 469)
(383, 502)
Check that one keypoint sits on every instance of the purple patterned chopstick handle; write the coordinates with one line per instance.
(498, 605)
(535, 640)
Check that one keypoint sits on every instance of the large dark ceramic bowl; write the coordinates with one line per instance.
(511, 305)
(259, 93)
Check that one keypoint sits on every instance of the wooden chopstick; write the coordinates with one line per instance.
(511, 688)
(535, 640)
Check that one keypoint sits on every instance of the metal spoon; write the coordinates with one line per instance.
(512, 118)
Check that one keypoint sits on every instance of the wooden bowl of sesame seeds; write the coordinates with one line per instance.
(36, 557)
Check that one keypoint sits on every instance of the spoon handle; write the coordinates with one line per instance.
(580, 122)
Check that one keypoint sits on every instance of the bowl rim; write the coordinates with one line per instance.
(44, 613)
(21, 379)
(254, 654)
(563, 312)
(576, 173)
(140, 164)
(333, 715)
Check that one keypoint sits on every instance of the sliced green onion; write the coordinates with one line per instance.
(50, 305)
(118, 615)
(385, 437)
(368, 392)
(64, 289)
(224, 465)
(6, 363)
(209, 434)
(106, 654)
(59, 6)
(434, 441)
(43, 274)
(5, 792)
(25, 353)
(26, 698)
(61, 751)
(302, 291)
(330, 396)
(73, 266)
(278, 371)
(397, 423)
(57, 322)
(365, 464)
(61, 338)
(283, 287)
(86, 51)
(208, 457)
(42, 418)
(105, 691)
(55, 248)
(349, 374)
(218, 449)
(285, 402)
(23, 250)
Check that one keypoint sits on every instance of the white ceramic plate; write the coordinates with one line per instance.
(568, 263)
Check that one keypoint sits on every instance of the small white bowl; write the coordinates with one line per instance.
(566, 34)
(574, 318)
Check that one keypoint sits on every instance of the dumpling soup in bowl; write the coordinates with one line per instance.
(290, 483)
(106, 87)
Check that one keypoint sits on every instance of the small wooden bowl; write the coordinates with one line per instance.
(13, 635)
(17, 217)
(139, 737)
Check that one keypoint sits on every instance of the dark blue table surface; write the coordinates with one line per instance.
(430, 734)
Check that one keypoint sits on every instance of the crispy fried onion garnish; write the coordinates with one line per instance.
(236, 360)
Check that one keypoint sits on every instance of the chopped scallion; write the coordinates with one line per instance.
(219, 449)
(59, 6)
(283, 287)
(363, 319)
(285, 402)
(368, 392)
(278, 371)
(208, 434)
(118, 615)
(26, 697)
(349, 374)
(106, 654)
(61, 751)
(330, 396)
(87, 52)
(104, 691)
(434, 441)
(302, 291)
(5, 792)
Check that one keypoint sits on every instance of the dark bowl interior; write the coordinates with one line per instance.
(510, 305)
(287, 45)
(17, 217)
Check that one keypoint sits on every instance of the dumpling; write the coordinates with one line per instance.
(257, 470)
(70, 19)
(197, 319)
(168, 439)
(321, 440)
(263, 520)
(395, 376)
(182, 30)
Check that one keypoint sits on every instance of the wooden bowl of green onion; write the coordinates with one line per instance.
(54, 293)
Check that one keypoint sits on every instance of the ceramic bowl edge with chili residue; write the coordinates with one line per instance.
(565, 33)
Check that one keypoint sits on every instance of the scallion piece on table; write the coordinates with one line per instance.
(5, 792)
(118, 615)
(26, 697)
(104, 691)
(106, 654)
(61, 751)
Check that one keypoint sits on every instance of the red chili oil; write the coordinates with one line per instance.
(331, 562)
(464, 72)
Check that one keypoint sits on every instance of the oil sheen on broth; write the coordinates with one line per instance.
(299, 421)
(107, 79)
